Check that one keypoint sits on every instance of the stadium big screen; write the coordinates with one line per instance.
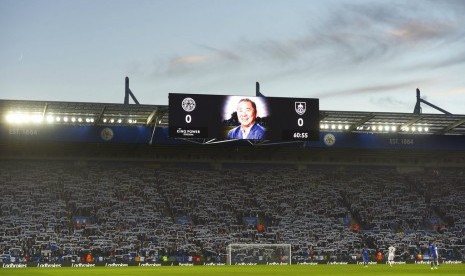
(217, 116)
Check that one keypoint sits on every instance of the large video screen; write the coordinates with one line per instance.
(243, 117)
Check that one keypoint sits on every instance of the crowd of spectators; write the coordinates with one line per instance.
(54, 211)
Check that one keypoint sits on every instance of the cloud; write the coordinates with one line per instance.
(354, 34)
(188, 64)
(221, 54)
(187, 60)
(382, 31)
(454, 59)
(390, 102)
(455, 91)
(372, 89)
(438, 61)
(418, 31)
(347, 36)
(181, 65)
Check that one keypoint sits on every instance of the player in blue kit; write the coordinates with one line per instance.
(433, 254)
(365, 256)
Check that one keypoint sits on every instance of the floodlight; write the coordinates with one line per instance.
(112, 120)
(346, 127)
(80, 119)
(50, 119)
(9, 118)
(420, 129)
(414, 128)
(393, 128)
(105, 120)
(65, 119)
(339, 126)
(333, 126)
(426, 129)
(380, 128)
(57, 119)
(15, 118)
(119, 121)
(73, 119)
(36, 118)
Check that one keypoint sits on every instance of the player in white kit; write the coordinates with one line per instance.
(392, 253)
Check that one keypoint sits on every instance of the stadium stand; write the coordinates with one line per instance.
(61, 210)
(104, 183)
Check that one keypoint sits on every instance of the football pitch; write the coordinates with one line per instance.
(333, 270)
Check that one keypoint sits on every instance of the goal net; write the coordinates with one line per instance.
(241, 254)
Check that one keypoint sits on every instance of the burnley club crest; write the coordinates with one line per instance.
(300, 107)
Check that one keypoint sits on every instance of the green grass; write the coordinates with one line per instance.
(294, 270)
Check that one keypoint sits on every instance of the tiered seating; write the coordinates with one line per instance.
(124, 210)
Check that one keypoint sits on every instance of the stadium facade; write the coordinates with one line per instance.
(141, 132)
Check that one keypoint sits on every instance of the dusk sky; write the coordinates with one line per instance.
(351, 54)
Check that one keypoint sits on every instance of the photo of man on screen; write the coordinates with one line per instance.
(249, 128)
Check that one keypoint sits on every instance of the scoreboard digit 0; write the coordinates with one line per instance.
(242, 117)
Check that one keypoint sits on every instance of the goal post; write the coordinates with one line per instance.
(243, 254)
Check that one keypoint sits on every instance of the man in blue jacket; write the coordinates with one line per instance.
(249, 128)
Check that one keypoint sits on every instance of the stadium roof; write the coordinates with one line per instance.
(100, 113)
(19, 111)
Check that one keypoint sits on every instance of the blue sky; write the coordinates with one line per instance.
(352, 55)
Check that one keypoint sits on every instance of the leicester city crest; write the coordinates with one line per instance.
(329, 139)
(107, 134)
(188, 104)
(300, 107)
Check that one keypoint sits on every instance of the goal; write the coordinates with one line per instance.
(244, 254)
